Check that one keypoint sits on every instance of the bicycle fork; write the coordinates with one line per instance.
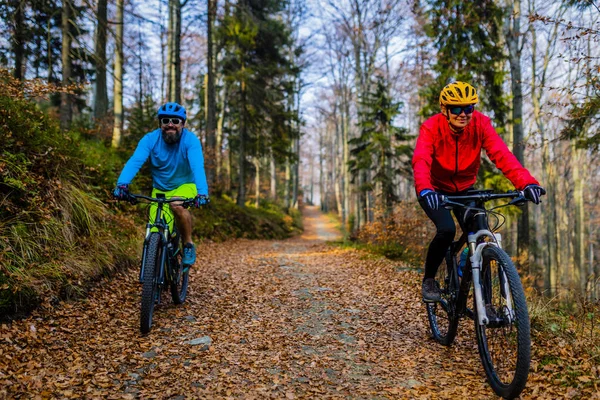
(476, 263)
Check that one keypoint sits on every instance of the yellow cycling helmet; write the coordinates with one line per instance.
(458, 93)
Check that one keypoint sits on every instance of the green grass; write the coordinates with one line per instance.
(61, 253)
(223, 219)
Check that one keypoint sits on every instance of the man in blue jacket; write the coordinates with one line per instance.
(177, 166)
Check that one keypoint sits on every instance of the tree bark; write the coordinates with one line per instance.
(346, 155)
(66, 111)
(288, 182)
(174, 56)
(118, 82)
(579, 247)
(211, 121)
(513, 37)
(100, 90)
(257, 181)
(273, 173)
(219, 139)
(241, 197)
(177, 59)
(18, 39)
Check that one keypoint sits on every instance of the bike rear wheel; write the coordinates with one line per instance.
(179, 279)
(443, 320)
(150, 283)
(505, 343)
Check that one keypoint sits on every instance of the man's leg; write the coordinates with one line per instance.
(446, 229)
(183, 219)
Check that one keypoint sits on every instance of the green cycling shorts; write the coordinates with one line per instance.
(185, 191)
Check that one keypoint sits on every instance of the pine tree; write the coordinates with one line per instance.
(376, 148)
(256, 64)
(467, 38)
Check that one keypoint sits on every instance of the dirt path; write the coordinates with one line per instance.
(264, 319)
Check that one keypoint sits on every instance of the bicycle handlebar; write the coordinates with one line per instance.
(517, 196)
(133, 198)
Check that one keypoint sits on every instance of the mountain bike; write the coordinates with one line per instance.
(161, 267)
(490, 278)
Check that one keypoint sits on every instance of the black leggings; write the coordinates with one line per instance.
(446, 230)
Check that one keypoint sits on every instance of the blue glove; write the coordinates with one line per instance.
(433, 198)
(201, 200)
(121, 192)
(533, 193)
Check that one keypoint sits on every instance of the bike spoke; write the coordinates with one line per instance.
(442, 320)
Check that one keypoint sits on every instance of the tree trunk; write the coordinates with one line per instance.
(311, 173)
(513, 36)
(338, 174)
(552, 276)
(118, 83)
(140, 67)
(578, 161)
(100, 90)
(257, 181)
(241, 197)
(322, 174)
(228, 163)
(165, 60)
(273, 173)
(211, 121)
(174, 57)
(296, 173)
(548, 208)
(48, 46)
(18, 39)
(288, 182)
(177, 55)
(345, 158)
(219, 138)
(66, 112)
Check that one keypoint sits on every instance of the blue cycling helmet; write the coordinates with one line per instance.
(172, 110)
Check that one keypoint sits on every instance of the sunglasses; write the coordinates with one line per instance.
(174, 121)
(457, 110)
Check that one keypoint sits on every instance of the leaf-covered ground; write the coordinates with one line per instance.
(264, 319)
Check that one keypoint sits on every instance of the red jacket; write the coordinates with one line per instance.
(448, 162)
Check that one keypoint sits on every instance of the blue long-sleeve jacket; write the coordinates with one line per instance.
(172, 165)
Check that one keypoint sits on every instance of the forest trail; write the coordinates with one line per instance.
(288, 319)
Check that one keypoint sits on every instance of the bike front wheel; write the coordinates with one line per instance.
(150, 289)
(443, 320)
(504, 343)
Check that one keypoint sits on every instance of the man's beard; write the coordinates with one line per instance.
(171, 139)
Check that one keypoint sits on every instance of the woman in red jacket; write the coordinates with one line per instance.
(445, 162)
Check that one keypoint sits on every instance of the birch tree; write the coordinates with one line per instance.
(118, 80)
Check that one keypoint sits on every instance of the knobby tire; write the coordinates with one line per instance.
(179, 280)
(149, 281)
(507, 378)
(443, 320)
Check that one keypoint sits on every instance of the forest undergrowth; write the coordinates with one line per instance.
(60, 230)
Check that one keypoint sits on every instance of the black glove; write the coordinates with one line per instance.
(533, 193)
(201, 200)
(432, 198)
(121, 192)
